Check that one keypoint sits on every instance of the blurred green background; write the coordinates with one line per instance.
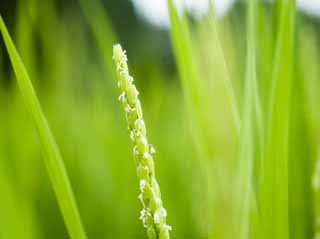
(67, 49)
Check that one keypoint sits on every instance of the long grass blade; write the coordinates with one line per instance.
(188, 71)
(303, 146)
(197, 95)
(274, 169)
(52, 157)
(226, 76)
(251, 114)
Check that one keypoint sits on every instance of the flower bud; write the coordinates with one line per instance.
(142, 145)
(155, 203)
(158, 217)
(117, 53)
(140, 126)
(131, 116)
(148, 161)
(139, 109)
(124, 82)
(146, 218)
(143, 172)
(132, 94)
(146, 190)
(151, 232)
(164, 232)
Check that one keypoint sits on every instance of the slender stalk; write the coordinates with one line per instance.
(52, 157)
(274, 168)
(247, 143)
(226, 79)
(153, 214)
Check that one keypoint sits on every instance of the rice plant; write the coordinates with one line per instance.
(153, 214)
(230, 93)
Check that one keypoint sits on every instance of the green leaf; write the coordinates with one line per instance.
(52, 157)
(197, 95)
(251, 116)
(274, 167)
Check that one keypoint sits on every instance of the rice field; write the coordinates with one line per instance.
(229, 101)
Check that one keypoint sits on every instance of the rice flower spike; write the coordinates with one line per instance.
(153, 214)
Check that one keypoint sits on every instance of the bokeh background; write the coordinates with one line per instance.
(67, 49)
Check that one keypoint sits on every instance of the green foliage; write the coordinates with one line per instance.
(236, 124)
(274, 167)
(52, 157)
